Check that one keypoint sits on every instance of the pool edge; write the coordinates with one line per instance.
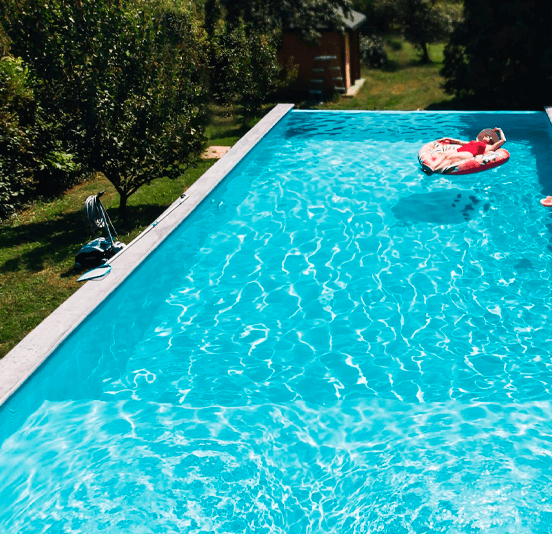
(33, 350)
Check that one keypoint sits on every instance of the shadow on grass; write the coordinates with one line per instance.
(223, 133)
(228, 124)
(412, 60)
(225, 123)
(463, 104)
(394, 43)
(395, 66)
(56, 240)
(452, 105)
(138, 216)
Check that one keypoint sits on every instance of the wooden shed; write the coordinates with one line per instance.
(331, 66)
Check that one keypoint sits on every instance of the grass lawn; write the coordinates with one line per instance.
(405, 84)
(38, 246)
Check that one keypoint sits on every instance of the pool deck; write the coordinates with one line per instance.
(26, 357)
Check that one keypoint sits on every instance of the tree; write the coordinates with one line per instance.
(379, 19)
(422, 22)
(146, 115)
(304, 16)
(212, 14)
(15, 138)
(501, 56)
(245, 66)
(28, 149)
(123, 82)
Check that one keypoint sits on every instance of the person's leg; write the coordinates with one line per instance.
(438, 160)
(452, 158)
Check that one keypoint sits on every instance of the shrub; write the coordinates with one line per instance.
(372, 51)
(121, 86)
(245, 66)
(515, 69)
(28, 151)
(15, 138)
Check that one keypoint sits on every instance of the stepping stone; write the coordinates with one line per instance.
(215, 152)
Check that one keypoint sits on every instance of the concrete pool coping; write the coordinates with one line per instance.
(27, 356)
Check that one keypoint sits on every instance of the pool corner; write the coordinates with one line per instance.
(31, 352)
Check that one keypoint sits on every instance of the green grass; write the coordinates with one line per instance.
(38, 246)
(405, 84)
(226, 127)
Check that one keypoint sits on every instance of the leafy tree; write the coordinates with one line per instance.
(122, 82)
(146, 115)
(501, 56)
(372, 51)
(15, 138)
(304, 16)
(246, 70)
(422, 22)
(379, 16)
(28, 150)
(212, 14)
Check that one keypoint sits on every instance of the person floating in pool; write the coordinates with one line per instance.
(488, 140)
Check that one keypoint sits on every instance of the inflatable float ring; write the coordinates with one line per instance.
(429, 152)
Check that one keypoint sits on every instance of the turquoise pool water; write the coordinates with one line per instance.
(332, 343)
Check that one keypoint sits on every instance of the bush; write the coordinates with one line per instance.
(121, 87)
(372, 51)
(28, 150)
(32, 160)
(16, 177)
(245, 66)
(488, 67)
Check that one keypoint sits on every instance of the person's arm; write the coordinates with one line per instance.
(452, 141)
(499, 143)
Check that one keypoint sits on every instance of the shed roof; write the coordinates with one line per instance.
(354, 20)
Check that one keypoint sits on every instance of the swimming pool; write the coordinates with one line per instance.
(331, 342)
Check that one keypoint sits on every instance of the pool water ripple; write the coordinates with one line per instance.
(333, 342)
(394, 466)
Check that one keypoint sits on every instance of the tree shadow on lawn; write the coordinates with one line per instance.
(53, 240)
(222, 134)
(56, 240)
(225, 123)
(457, 104)
(395, 66)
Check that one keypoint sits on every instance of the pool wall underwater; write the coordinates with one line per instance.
(25, 358)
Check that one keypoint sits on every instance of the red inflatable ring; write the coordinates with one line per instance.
(429, 152)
